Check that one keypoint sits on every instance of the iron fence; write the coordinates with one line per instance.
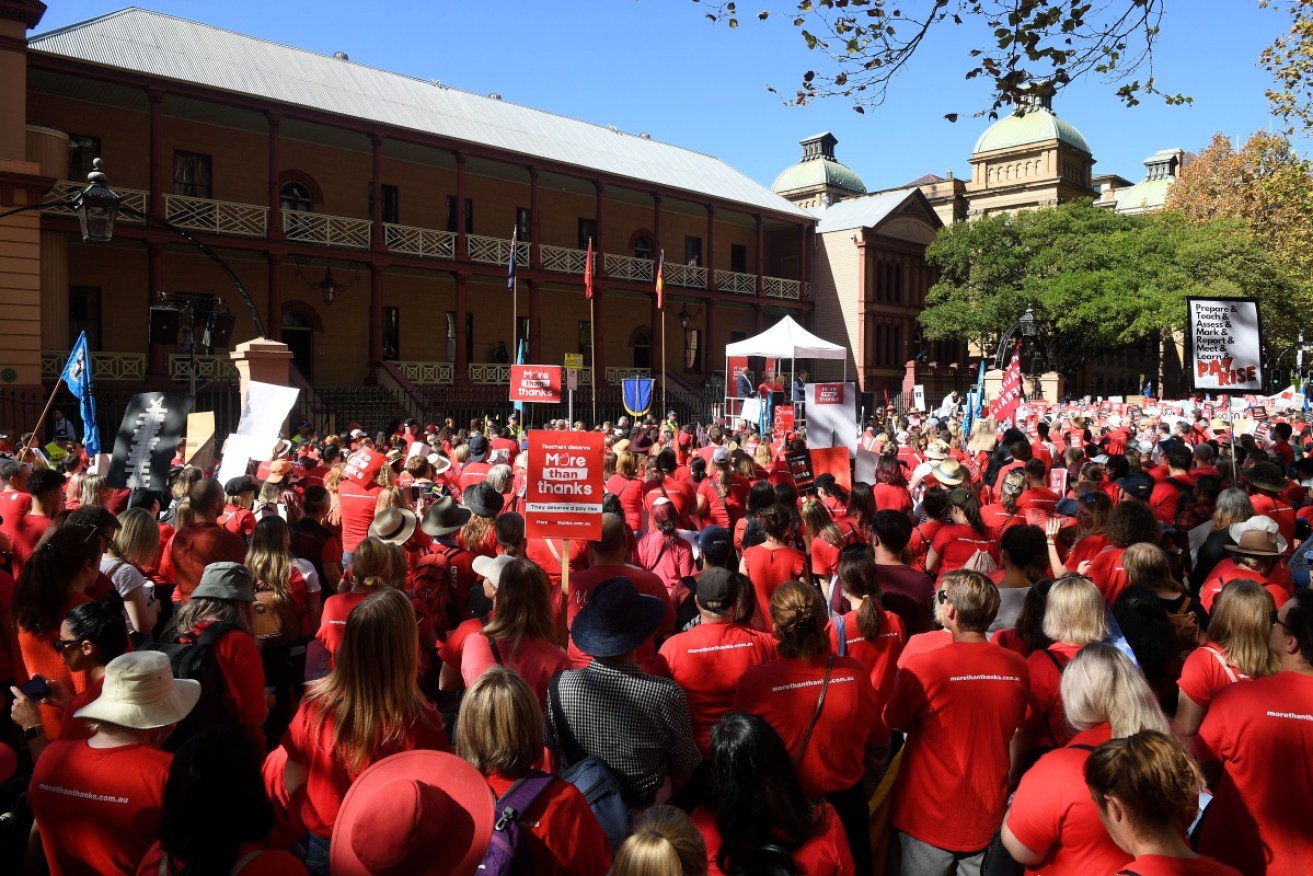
(19, 410)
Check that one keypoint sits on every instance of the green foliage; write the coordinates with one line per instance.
(1095, 279)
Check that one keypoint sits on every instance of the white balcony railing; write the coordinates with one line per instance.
(620, 267)
(496, 250)
(136, 199)
(778, 287)
(207, 368)
(220, 217)
(689, 276)
(325, 230)
(562, 259)
(104, 366)
(739, 284)
(490, 373)
(426, 243)
(425, 373)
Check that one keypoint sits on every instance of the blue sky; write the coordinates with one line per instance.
(658, 66)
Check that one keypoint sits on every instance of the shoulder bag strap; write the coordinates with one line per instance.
(665, 543)
(496, 652)
(245, 859)
(1054, 657)
(683, 521)
(1226, 667)
(816, 715)
(569, 745)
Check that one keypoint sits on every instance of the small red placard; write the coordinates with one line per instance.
(536, 383)
(829, 393)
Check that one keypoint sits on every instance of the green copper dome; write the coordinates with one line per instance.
(1037, 125)
(818, 169)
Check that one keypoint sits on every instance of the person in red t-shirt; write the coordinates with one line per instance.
(1130, 523)
(1093, 511)
(200, 542)
(723, 495)
(476, 468)
(607, 559)
(357, 504)
(1037, 502)
(666, 485)
(772, 563)
(822, 705)
(500, 732)
(1166, 495)
(46, 490)
(666, 554)
(954, 545)
(1004, 514)
(1248, 746)
(99, 802)
(757, 805)
(1147, 789)
(960, 705)
(1052, 825)
(709, 660)
(1266, 484)
(1237, 650)
(1254, 557)
(377, 665)
(826, 537)
(890, 488)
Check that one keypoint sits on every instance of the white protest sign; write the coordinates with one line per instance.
(1225, 344)
(264, 410)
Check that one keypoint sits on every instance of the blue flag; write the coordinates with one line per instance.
(510, 264)
(77, 377)
(968, 413)
(519, 360)
(980, 391)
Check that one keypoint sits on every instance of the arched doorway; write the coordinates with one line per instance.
(642, 346)
(298, 335)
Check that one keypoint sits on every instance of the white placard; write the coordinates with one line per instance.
(237, 452)
(751, 410)
(918, 397)
(1226, 351)
(832, 416)
(264, 411)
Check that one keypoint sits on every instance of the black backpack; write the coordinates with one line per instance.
(198, 660)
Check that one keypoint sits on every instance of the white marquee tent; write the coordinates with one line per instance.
(784, 340)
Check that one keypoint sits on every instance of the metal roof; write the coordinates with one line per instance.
(867, 212)
(168, 47)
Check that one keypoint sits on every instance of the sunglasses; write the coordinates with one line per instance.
(1276, 620)
(59, 645)
(942, 596)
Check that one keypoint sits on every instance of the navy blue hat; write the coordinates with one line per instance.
(1137, 485)
(716, 544)
(616, 619)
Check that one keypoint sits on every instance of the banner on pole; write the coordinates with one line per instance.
(1226, 347)
(536, 383)
(636, 394)
(1003, 410)
(563, 493)
(147, 438)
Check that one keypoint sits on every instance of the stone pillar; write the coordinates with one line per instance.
(1051, 386)
(262, 360)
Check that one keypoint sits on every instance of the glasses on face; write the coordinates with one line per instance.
(1275, 617)
(59, 645)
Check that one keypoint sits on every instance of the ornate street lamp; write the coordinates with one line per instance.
(97, 206)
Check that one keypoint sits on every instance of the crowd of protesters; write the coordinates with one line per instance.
(969, 665)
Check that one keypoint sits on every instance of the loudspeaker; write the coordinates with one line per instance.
(163, 327)
(220, 329)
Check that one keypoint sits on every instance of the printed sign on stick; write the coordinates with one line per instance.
(1226, 348)
(536, 383)
(563, 496)
(147, 438)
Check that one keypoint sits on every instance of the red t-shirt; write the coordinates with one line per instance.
(357, 504)
(536, 661)
(785, 692)
(999, 519)
(238, 521)
(767, 569)
(1087, 547)
(452, 651)
(243, 674)
(559, 831)
(329, 778)
(923, 534)
(8, 662)
(443, 580)
(671, 560)
(193, 548)
(956, 543)
(727, 510)
(630, 493)
(880, 656)
(961, 705)
(1205, 674)
(24, 537)
(891, 498)
(546, 552)
(1045, 716)
(644, 582)
(825, 553)
(1259, 732)
(1163, 499)
(708, 662)
(1040, 499)
(1279, 510)
(1226, 571)
(40, 659)
(1053, 814)
(473, 473)
(825, 855)
(269, 862)
(1108, 573)
(332, 620)
(680, 493)
(1161, 865)
(99, 809)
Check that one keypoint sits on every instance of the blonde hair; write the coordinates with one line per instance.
(1146, 563)
(500, 729)
(664, 842)
(374, 565)
(1101, 684)
(390, 497)
(460, 454)
(974, 597)
(90, 490)
(270, 560)
(371, 694)
(499, 477)
(625, 464)
(334, 477)
(138, 537)
(1240, 625)
(1076, 613)
(523, 605)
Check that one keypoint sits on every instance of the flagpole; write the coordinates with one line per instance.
(592, 347)
(35, 440)
(664, 403)
(515, 292)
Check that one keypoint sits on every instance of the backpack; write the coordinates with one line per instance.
(436, 583)
(590, 775)
(275, 621)
(506, 856)
(198, 660)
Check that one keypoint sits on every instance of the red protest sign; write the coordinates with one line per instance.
(833, 461)
(536, 383)
(1058, 480)
(563, 494)
(829, 393)
(363, 465)
(783, 420)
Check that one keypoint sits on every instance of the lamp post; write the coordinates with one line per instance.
(1025, 327)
